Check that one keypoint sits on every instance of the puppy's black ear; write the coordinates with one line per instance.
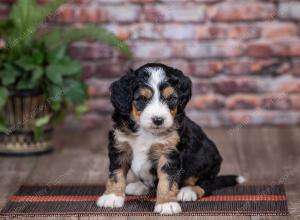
(184, 87)
(122, 93)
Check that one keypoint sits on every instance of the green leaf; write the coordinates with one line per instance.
(55, 105)
(75, 92)
(38, 56)
(53, 73)
(57, 54)
(59, 37)
(40, 122)
(37, 75)
(81, 108)
(27, 63)
(26, 15)
(70, 67)
(9, 75)
(55, 93)
(25, 84)
(3, 96)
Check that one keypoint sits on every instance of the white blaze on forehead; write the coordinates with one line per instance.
(157, 75)
(156, 108)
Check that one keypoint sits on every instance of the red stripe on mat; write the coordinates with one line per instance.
(200, 213)
(130, 198)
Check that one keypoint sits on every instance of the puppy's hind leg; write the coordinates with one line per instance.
(190, 192)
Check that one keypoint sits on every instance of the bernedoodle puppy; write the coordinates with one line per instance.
(154, 138)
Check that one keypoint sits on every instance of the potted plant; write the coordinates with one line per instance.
(39, 82)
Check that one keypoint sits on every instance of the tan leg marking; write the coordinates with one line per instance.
(116, 183)
(191, 181)
(200, 192)
(166, 189)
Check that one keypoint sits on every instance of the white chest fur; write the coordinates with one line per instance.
(141, 144)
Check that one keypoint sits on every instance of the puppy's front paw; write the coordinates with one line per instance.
(136, 189)
(168, 208)
(186, 194)
(110, 201)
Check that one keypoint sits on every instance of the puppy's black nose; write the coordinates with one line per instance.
(157, 120)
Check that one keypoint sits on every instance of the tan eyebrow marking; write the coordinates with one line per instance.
(146, 92)
(168, 91)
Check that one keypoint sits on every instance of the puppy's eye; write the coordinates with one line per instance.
(142, 99)
(172, 98)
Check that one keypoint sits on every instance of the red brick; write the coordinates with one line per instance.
(271, 67)
(296, 67)
(201, 86)
(111, 69)
(182, 13)
(4, 11)
(289, 10)
(99, 105)
(65, 14)
(90, 50)
(244, 32)
(122, 13)
(91, 15)
(143, 1)
(263, 66)
(260, 49)
(149, 49)
(180, 64)
(242, 102)
(98, 87)
(213, 50)
(287, 84)
(295, 101)
(206, 68)
(202, 32)
(206, 102)
(178, 31)
(276, 101)
(237, 67)
(145, 31)
(225, 31)
(242, 11)
(123, 32)
(278, 30)
(107, 13)
(88, 69)
(224, 85)
(286, 47)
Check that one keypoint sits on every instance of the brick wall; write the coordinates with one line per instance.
(243, 55)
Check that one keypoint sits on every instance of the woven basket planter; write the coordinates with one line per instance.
(21, 111)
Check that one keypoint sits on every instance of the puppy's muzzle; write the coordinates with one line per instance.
(158, 121)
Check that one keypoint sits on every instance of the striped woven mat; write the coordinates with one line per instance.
(80, 201)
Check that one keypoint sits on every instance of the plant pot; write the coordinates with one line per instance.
(21, 111)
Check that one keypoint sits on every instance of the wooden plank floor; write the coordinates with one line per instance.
(261, 154)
